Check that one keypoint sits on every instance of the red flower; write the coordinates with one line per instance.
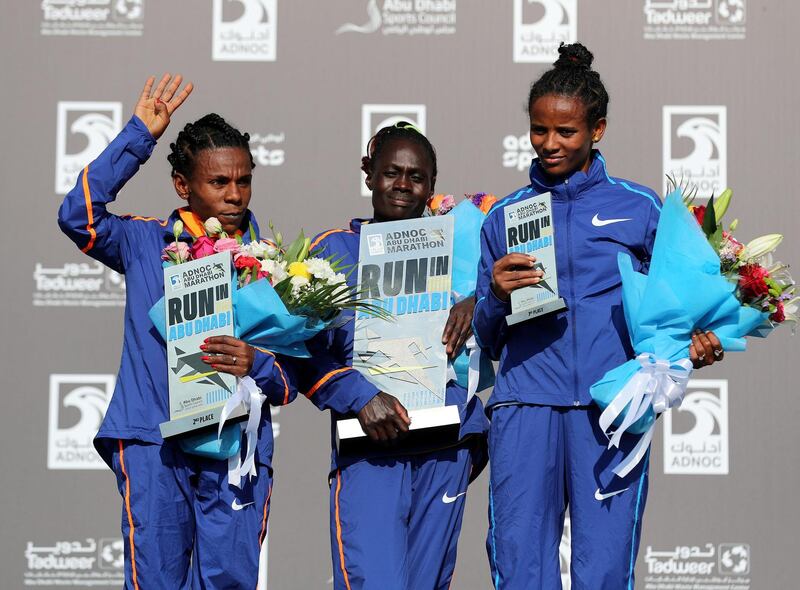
(243, 262)
(778, 316)
(202, 246)
(751, 281)
(699, 212)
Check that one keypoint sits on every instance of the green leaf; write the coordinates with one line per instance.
(710, 219)
(295, 248)
(721, 204)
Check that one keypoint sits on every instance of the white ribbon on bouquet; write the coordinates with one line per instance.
(658, 384)
(249, 394)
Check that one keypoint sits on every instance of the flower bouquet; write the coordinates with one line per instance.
(700, 277)
(471, 369)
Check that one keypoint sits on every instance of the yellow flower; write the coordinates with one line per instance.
(298, 269)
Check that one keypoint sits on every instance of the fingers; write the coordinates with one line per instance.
(402, 414)
(169, 91)
(148, 86)
(705, 349)
(162, 84)
(448, 329)
(183, 95)
(716, 346)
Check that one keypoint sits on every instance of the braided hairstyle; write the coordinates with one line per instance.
(572, 76)
(385, 135)
(208, 132)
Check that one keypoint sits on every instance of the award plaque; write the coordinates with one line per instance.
(406, 268)
(529, 230)
(198, 304)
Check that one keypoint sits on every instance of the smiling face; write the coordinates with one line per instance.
(401, 181)
(219, 186)
(561, 136)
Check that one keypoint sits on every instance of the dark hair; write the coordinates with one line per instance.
(208, 132)
(401, 130)
(572, 75)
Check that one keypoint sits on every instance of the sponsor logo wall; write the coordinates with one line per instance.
(540, 26)
(98, 18)
(707, 566)
(89, 562)
(404, 17)
(695, 20)
(245, 30)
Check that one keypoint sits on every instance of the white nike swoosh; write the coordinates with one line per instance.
(600, 497)
(236, 506)
(449, 499)
(597, 222)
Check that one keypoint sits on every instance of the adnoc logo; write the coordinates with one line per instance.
(695, 147)
(245, 30)
(707, 20)
(405, 17)
(540, 26)
(696, 432)
(376, 116)
(83, 131)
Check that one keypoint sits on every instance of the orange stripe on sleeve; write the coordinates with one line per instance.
(87, 198)
(130, 514)
(339, 529)
(322, 381)
(321, 237)
(283, 375)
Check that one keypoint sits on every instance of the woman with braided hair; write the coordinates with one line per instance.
(546, 447)
(184, 525)
(395, 513)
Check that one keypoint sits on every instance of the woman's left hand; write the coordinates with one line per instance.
(227, 354)
(705, 349)
(458, 328)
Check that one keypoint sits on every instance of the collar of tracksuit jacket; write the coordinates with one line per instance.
(574, 186)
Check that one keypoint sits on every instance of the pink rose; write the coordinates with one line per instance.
(226, 245)
(203, 246)
(176, 252)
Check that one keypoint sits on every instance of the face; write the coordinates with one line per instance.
(561, 136)
(219, 186)
(401, 181)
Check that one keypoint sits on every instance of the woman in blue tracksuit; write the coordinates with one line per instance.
(547, 451)
(183, 525)
(395, 515)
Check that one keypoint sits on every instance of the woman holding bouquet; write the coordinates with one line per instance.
(184, 525)
(546, 447)
(395, 515)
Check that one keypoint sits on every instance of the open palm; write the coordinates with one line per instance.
(155, 107)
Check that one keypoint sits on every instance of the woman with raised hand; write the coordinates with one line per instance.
(184, 525)
(395, 514)
(547, 449)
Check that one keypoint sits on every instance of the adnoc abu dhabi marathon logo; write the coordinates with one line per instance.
(89, 562)
(695, 147)
(540, 26)
(696, 432)
(405, 17)
(705, 20)
(376, 116)
(77, 284)
(78, 404)
(97, 18)
(517, 152)
(700, 567)
(83, 131)
(245, 30)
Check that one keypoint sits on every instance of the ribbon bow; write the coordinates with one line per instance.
(248, 394)
(659, 384)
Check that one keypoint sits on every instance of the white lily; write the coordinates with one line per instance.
(761, 246)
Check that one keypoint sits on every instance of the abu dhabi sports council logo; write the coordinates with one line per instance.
(77, 284)
(267, 149)
(540, 26)
(517, 152)
(245, 30)
(78, 404)
(706, 20)
(696, 147)
(405, 17)
(696, 432)
(100, 18)
(376, 116)
(83, 130)
(565, 554)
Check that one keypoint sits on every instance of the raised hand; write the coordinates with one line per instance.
(155, 107)
(384, 418)
(458, 328)
(514, 271)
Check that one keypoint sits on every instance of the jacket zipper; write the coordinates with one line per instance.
(572, 312)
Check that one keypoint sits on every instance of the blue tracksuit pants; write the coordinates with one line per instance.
(544, 459)
(395, 521)
(183, 526)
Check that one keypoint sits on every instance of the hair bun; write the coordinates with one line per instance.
(574, 56)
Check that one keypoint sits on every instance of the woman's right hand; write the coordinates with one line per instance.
(155, 110)
(384, 419)
(514, 271)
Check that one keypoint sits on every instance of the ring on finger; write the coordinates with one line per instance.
(718, 353)
(234, 360)
(701, 358)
